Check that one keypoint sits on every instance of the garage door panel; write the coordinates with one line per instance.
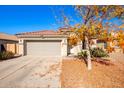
(44, 48)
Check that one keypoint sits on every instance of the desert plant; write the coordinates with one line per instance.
(98, 52)
(95, 52)
(82, 54)
(6, 55)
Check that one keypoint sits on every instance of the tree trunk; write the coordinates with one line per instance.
(88, 53)
(83, 44)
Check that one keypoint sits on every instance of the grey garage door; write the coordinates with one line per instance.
(43, 48)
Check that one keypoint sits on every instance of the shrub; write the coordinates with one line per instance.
(6, 55)
(95, 52)
(98, 52)
(82, 54)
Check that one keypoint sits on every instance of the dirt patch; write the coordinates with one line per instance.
(75, 74)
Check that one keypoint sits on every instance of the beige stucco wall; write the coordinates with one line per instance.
(21, 45)
(13, 48)
(94, 45)
(64, 47)
(17, 48)
(76, 49)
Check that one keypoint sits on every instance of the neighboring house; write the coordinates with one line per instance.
(103, 44)
(8, 43)
(99, 43)
(42, 43)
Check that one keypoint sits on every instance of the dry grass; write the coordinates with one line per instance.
(75, 74)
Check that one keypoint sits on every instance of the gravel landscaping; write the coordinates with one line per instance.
(75, 74)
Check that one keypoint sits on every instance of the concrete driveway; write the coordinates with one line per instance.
(32, 72)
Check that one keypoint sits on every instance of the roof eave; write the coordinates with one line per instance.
(38, 36)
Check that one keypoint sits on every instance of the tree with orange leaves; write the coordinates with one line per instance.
(93, 25)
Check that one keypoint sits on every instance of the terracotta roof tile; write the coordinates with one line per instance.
(65, 29)
(44, 32)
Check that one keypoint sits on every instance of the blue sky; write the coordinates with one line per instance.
(16, 19)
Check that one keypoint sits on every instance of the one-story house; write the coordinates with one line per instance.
(46, 43)
(42, 43)
(8, 43)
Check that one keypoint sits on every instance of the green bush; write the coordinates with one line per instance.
(82, 54)
(95, 52)
(98, 52)
(6, 55)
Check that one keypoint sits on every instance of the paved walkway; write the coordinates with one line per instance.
(30, 72)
